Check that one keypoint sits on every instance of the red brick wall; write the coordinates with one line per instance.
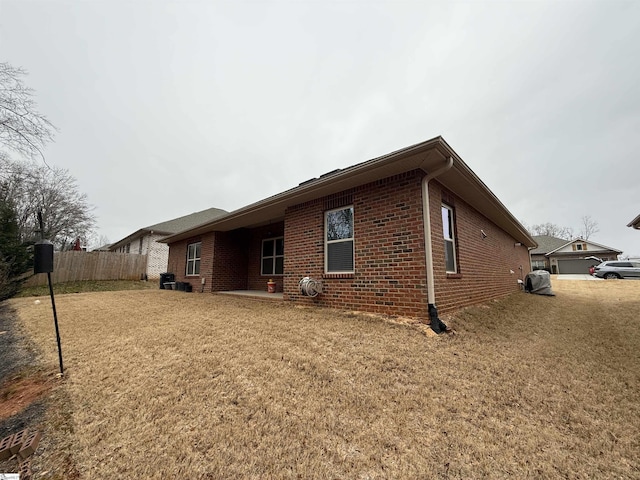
(484, 264)
(178, 258)
(236, 264)
(223, 261)
(230, 261)
(390, 274)
(256, 281)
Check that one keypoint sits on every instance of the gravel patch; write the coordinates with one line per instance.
(17, 354)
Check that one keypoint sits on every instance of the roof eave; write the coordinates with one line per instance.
(426, 156)
(272, 208)
(133, 236)
(635, 223)
(480, 197)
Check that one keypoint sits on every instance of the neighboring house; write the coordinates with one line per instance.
(635, 223)
(145, 240)
(392, 235)
(558, 255)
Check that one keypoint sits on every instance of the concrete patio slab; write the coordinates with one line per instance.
(254, 293)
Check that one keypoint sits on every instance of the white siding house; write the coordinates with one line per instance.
(559, 255)
(145, 240)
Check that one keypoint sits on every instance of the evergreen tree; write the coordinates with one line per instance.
(15, 256)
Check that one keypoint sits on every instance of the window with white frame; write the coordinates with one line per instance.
(339, 245)
(538, 264)
(273, 256)
(448, 231)
(193, 258)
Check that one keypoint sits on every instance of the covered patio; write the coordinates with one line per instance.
(257, 294)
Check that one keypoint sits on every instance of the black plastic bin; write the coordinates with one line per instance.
(165, 278)
(188, 287)
(180, 286)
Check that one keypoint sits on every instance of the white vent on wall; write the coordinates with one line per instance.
(310, 287)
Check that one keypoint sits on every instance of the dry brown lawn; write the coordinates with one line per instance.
(161, 384)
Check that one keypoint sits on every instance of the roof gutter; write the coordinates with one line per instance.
(436, 324)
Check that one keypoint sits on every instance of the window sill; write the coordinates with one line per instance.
(337, 275)
(278, 275)
(454, 275)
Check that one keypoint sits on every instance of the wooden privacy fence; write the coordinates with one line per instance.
(76, 266)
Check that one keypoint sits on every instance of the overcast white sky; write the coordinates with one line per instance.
(165, 108)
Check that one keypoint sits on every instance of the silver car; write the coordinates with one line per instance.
(618, 269)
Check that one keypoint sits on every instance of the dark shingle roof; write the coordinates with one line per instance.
(188, 221)
(547, 243)
(173, 226)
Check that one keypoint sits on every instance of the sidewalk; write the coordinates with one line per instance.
(576, 276)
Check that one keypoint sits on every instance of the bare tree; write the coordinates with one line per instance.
(28, 186)
(552, 230)
(66, 212)
(588, 227)
(95, 241)
(23, 129)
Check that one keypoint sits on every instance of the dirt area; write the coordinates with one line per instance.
(23, 386)
(166, 384)
(22, 383)
(17, 394)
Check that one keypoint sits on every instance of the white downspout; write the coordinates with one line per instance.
(426, 217)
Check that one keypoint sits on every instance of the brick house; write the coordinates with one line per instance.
(145, 240)
(365, 233)
(558, 255)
